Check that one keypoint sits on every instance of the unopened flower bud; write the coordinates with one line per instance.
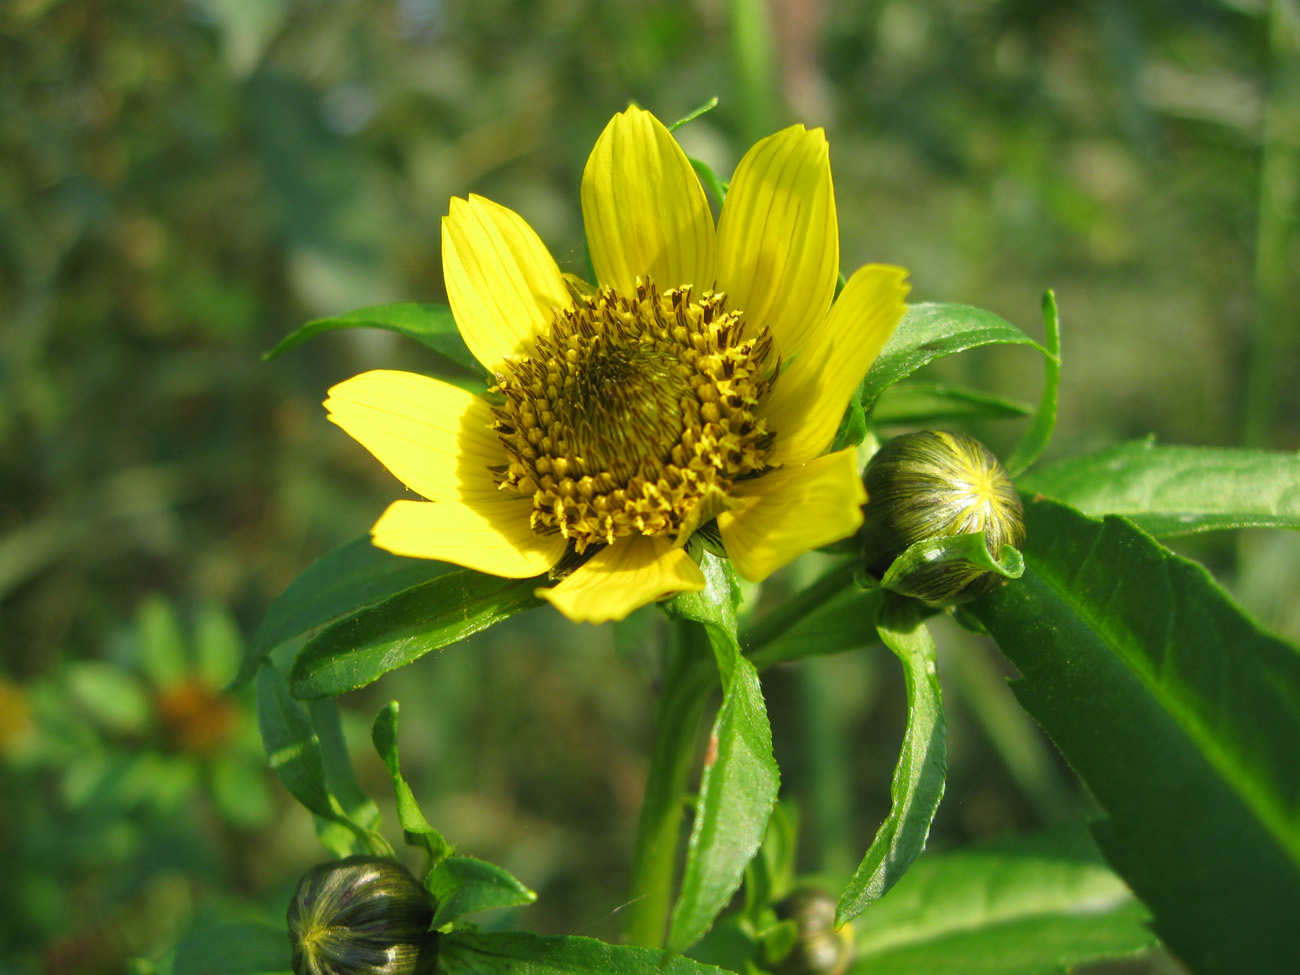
(818, 948)
(934, 485)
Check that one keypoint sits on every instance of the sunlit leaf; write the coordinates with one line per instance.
(1023, 906)
(1178, 490)
(921, 404)
(374, 641)
(418, 831)
(931, 331)
(352, 576)
(1181, 717)
(464, 885)
(922, 766)
(431, 325)
(1035, 438)
(468, 952)
(740, 780)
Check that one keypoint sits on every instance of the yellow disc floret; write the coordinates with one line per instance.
(634, 414)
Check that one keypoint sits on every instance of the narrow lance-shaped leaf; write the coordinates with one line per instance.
(431, 325)
(417, 829)
(352, 576)
(1023, 906)
(921, 404)
(931, 331)
(922, 764)
(1178, 490)
(1180, 715)
(469, 952)
(340, 779)
(740, 781)
(402, 629)
(294, 750)
(1040, 429)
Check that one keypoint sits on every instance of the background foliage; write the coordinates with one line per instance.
(183, 183)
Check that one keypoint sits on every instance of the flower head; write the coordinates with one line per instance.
(699, 384)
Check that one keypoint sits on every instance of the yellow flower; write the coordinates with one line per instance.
(704, 378)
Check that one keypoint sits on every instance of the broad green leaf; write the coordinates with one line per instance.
(294, 750)
(927, 404)
(740, 780)
(418, 831)
(1182, 718)
(1027, 906)
(347, 579)
(368, 644)
(1040, 428)
(1178, 490)
(931, 331)
(464, 885)
(233, 949)
(467, 952)
(431, 325)
(922, 764)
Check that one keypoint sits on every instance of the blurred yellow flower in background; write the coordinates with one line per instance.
(702, 381)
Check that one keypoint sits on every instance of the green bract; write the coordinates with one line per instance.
(932, 485)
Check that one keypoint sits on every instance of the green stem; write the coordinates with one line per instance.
(775, 624)
(687, 682)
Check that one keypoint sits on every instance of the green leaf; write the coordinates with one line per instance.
(853, 427)
(418, 831)
(1178, 490)
(1182, 718)
(294, 749)
(431, 325)
(931, 331)
(710, 179)
(691, 116)
(842, 622)
(740, 781)
(368, 644)
(1035, 439)
(464, 885)
(340, 779)
(233, 949)
(1026, 906)
(922, 765)
(927, 404)
(519, 953)
(353, 576)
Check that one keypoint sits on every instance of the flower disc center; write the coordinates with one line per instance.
(635, 414)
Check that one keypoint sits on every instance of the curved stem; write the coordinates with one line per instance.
(689, 677)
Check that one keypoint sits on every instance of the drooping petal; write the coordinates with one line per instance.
(809, 398)
(502, 283)
(623, 577)
(644, 208)
(785, 513)
(436, 438)
(492, 538)
(778, 240)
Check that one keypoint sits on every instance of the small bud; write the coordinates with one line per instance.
(818, 948)
(931, 485)
(362, 916)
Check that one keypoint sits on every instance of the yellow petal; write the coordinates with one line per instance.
(809, 398)
(623, 577)
(644, 208)
(492, 538)
(502, 283)
(436, 438)
(778, 242)
(790, 511)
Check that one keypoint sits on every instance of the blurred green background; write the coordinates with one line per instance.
(183, 183)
